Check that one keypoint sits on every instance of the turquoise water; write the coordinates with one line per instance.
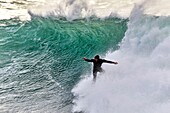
(41, 60)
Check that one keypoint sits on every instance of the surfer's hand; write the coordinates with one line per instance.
(115, 62)
(84, 58)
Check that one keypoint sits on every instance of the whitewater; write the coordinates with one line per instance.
(75, 9)
(43, 42)
(140, 83)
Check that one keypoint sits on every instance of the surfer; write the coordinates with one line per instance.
(97, 63)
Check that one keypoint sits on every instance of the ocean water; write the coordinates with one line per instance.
(42, 45)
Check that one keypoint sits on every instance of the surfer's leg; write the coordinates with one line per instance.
(94, 76)
(101, 70)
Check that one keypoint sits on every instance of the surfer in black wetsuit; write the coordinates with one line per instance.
(97, 63)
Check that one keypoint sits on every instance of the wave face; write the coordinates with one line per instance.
(140, 83)
(41, 60)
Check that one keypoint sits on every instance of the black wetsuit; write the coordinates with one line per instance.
(97, 65)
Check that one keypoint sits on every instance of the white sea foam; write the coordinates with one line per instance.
(140, 83)
(101, 8)
(74, 9)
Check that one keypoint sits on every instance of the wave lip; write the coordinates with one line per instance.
(78, 9)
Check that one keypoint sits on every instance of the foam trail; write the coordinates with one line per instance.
(140, 83)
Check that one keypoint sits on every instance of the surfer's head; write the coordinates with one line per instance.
(96, 57)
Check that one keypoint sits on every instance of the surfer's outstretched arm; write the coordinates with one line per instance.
(88, 60)
(112, 62)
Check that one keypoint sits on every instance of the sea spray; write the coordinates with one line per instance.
(140, 82)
